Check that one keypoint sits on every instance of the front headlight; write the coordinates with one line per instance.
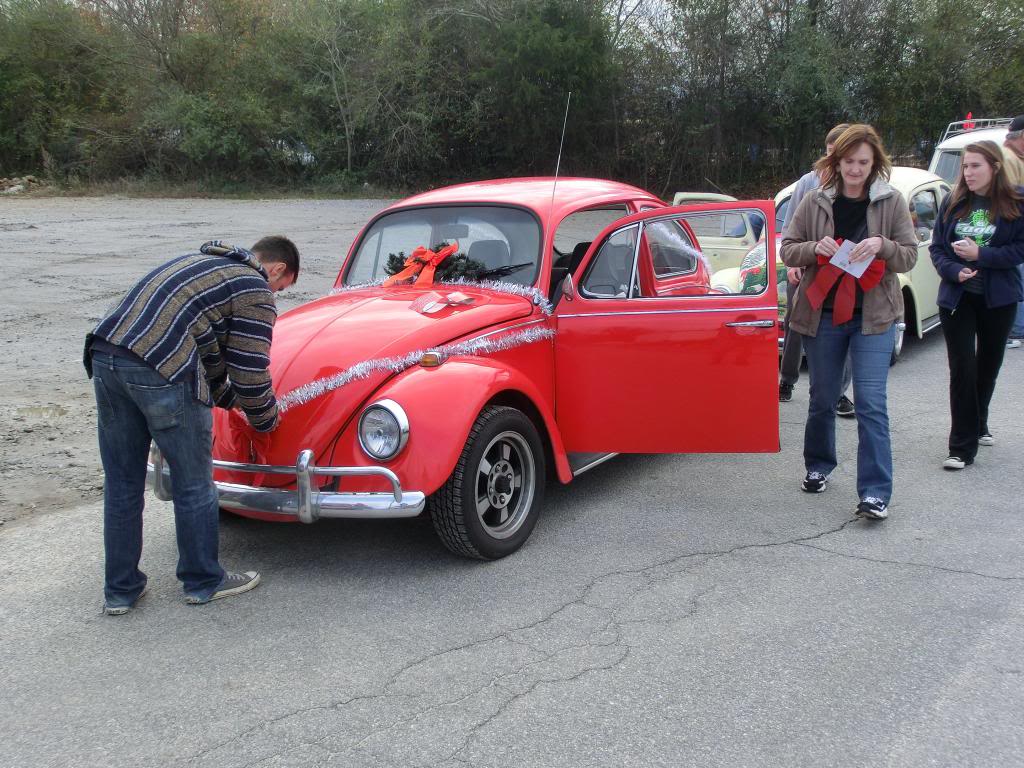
(383, 430)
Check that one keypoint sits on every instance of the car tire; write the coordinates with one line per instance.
(502, 463)
(897, 347)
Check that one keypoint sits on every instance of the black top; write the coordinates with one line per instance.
(976, 224)
(851, 223)
(850, 217)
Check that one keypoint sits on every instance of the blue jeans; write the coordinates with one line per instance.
(869, 355)
(1017, 332)
(135, 404)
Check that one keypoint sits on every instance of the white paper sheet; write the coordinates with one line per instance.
(842, 260)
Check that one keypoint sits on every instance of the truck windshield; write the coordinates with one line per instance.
(948, 165)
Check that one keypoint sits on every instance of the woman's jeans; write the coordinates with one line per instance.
(975, 342)
(134, 404)
(869, 356)
(792, 350)
(1017, 331)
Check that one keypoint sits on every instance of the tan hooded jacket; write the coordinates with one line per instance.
(888, 217)
(1014, 166)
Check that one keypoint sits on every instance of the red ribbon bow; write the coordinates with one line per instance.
(423, 262)
(846, 295)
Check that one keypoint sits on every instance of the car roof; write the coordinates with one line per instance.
(570, 193)
(902, 178)
(961, 140)
(682, 198)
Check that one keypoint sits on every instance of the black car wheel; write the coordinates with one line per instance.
(490, 504)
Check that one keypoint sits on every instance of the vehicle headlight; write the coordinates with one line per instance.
(383, 430)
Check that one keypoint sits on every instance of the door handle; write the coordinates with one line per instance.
(752, 324)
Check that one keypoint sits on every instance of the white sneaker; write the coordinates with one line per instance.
(1012, 343)
(986, 439)
(955, 462)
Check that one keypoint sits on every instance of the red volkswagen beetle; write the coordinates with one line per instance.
(483, 338)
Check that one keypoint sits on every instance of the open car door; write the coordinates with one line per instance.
(650, 358)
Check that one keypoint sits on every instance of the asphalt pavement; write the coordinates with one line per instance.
(668, 611)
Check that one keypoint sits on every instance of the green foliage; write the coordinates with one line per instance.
(333, 94)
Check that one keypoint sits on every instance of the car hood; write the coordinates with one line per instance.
(343, 334)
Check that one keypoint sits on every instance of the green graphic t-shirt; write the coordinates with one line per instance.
(979, 227)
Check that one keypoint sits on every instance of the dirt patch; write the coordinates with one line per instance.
(68, 260)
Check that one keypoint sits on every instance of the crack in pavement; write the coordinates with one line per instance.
(651, 574)
(911, 563)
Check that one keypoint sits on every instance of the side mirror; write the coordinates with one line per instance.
(567, 290)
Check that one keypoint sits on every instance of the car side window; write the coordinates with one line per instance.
(585, 226)
(671, 249)
(675, 260)
(611, 272)
(924, 210)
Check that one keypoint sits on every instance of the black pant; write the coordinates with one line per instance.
(975, 342)
(792, 345)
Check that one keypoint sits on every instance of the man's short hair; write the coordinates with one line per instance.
(833, 136)
(278, 248)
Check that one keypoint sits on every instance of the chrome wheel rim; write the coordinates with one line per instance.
(505, 484)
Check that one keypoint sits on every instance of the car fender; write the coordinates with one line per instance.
(442, 404)
(906, 286)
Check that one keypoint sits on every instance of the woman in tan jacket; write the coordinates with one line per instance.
(838, 313)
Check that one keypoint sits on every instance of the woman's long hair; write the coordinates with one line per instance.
(827, 167)
(1005, 200)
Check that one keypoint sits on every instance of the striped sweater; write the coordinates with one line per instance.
(207, 318)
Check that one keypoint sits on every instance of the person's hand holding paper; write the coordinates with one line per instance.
(855, 258)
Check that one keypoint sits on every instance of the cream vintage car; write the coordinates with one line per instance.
(923, 191)
(726, 238)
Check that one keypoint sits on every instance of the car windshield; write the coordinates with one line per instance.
(495, 243)
(948, 165)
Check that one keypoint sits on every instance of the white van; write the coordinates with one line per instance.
(949, 152)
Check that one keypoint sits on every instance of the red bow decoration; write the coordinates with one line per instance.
(846, 295)
(423, 262)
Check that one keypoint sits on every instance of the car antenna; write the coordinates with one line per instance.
(558, 162)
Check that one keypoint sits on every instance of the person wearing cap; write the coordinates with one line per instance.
(1013, 157)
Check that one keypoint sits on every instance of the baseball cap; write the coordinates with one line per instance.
(1017, 124)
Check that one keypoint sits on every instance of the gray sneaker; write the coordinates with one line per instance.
(233, 584)
(121, 610)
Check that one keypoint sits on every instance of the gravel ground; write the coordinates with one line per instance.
(70, 259)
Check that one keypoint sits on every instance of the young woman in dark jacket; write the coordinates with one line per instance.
(977, 247)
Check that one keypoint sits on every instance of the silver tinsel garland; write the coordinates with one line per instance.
(535, 295)
(480, 346)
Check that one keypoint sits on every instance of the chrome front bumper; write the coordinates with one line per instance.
(306, 502)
